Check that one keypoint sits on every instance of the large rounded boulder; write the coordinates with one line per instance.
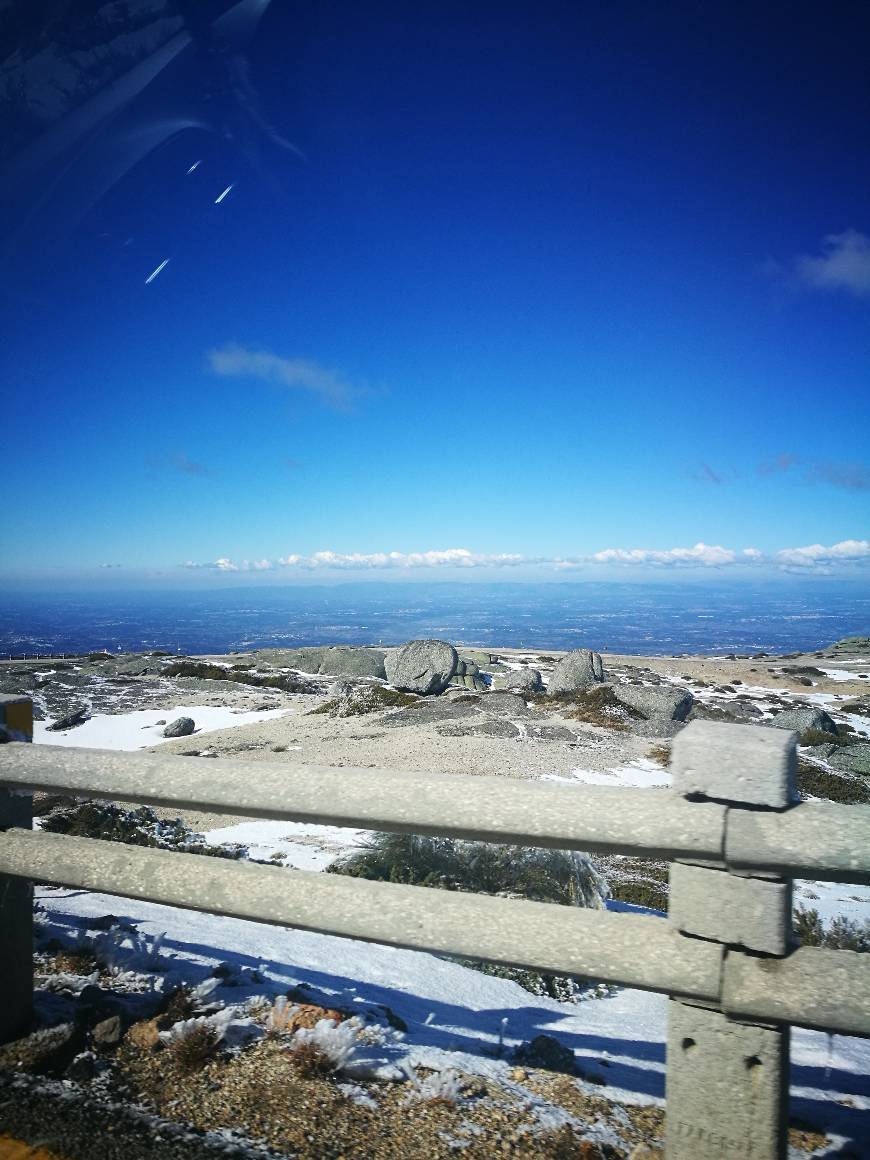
(804, 717)
(523, 680)
(665, 702)
(577, 670)
(422, 666)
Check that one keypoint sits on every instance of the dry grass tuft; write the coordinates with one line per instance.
(194, 1050)
(660, 754)
(309, 1060)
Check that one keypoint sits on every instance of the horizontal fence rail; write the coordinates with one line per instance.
(494, 809)
(818, 840)
(633, 949)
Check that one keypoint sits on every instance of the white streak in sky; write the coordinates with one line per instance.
(220, 198)
(194, 166)
(154, 273)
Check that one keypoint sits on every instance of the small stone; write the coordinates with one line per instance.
(180, 727)
(83, 1068)
(107, 1032)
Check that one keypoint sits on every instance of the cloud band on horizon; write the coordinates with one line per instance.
(811, 557)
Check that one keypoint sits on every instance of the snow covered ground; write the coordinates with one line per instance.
(455, 1017)
(139, 729)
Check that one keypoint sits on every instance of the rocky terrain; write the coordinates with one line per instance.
(223, 1054)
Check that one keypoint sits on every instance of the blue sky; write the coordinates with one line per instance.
(548, 290)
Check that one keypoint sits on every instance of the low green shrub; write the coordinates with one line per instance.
(835, 787)
(205, 671)
(822, 737)
(366, 698)
(478, 867)
(598, 705)
(639, 892)
(139, 827)
(99, 656)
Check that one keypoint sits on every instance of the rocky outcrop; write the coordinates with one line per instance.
(341, 661)
(467, 676)
(807, 717)
(483, 660)
(77, 715)
(422, 666)
(180, 727)
(520, 681)
(852, 758)
(663, 702)
(735, 712)
(504, 704)
(577, 670)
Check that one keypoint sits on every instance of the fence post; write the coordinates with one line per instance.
(16, 894)
(727, 1080)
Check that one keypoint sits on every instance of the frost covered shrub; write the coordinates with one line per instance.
(561, 876)
(441, 1087)
(842, 934)
(139, 827)
(325, 1047)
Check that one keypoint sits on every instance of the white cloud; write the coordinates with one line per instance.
(710, 556)
(298, 374)
(843, 264)
(817, 555)
(225, 564)
(845, 553)
(448, 557)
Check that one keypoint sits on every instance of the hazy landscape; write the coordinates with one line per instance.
(435, 580)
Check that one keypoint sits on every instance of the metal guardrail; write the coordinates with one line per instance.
(726, 957)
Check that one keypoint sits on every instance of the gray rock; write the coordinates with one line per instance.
(736, 712)
(504, 704)
(467, 676)
(482, 727)
(577, 670)
(353, 662)
(180, 727)
(662, 702)
(804, 717)
(83, 1068)
(549, 732)
(427, 712)
(523, 680)
(422, 666)
(852, 758)
(304, 660)
(76, 716)
(481, 659)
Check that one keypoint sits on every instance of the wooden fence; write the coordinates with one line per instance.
(726, 956)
